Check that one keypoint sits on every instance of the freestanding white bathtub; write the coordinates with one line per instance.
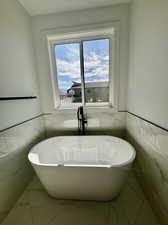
(82, 167)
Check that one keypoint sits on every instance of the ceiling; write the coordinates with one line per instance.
(41, 7)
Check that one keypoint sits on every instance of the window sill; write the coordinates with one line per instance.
(89, 106)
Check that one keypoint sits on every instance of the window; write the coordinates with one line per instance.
(96, 70)
(83, 71)
(68, 73)
(82, 68)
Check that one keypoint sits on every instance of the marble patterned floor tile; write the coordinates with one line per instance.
(35, 184)
(70, 215)
(36, 207)
(117, 217)
(127, 206)
(146, 216)
(3, 216)
(20, 215)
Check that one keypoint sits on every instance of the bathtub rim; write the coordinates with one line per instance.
(114, 165)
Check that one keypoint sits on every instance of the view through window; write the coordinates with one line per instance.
(95, 69)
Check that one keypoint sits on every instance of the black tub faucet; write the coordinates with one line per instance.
(82, 121)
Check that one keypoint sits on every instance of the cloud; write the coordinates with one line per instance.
(64, 84)
(69, 69)
(96, 80)
(96, 68)
(96, 65)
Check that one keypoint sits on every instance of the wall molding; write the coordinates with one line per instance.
(25, 121)
(45, 114)
(148, 121)
(17, 98)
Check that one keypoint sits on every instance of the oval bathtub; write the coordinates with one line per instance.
(82, 167)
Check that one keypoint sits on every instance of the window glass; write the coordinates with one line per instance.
(96, 70)
(68, 72)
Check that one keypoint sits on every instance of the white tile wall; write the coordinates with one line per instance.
(100, 121)
(15, 170)
(151, 168)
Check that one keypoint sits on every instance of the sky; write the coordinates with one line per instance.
(96, 62)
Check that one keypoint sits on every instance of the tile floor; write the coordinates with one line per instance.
(35, 207)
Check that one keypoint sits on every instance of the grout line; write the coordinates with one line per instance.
(139, 213)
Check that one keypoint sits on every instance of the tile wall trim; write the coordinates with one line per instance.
(148, 121)
(44, 114)
(17, 98)
(25, 121)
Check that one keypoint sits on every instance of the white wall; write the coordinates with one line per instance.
(78, 18)
(148, 98)
(148, 67)
(17, 65)
(17, 78)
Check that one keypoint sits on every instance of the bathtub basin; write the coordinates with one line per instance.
(82, 167)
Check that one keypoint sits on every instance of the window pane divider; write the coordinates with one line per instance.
(82, 73)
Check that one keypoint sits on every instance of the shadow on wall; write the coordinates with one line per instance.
(15, 169)
(151, 168)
